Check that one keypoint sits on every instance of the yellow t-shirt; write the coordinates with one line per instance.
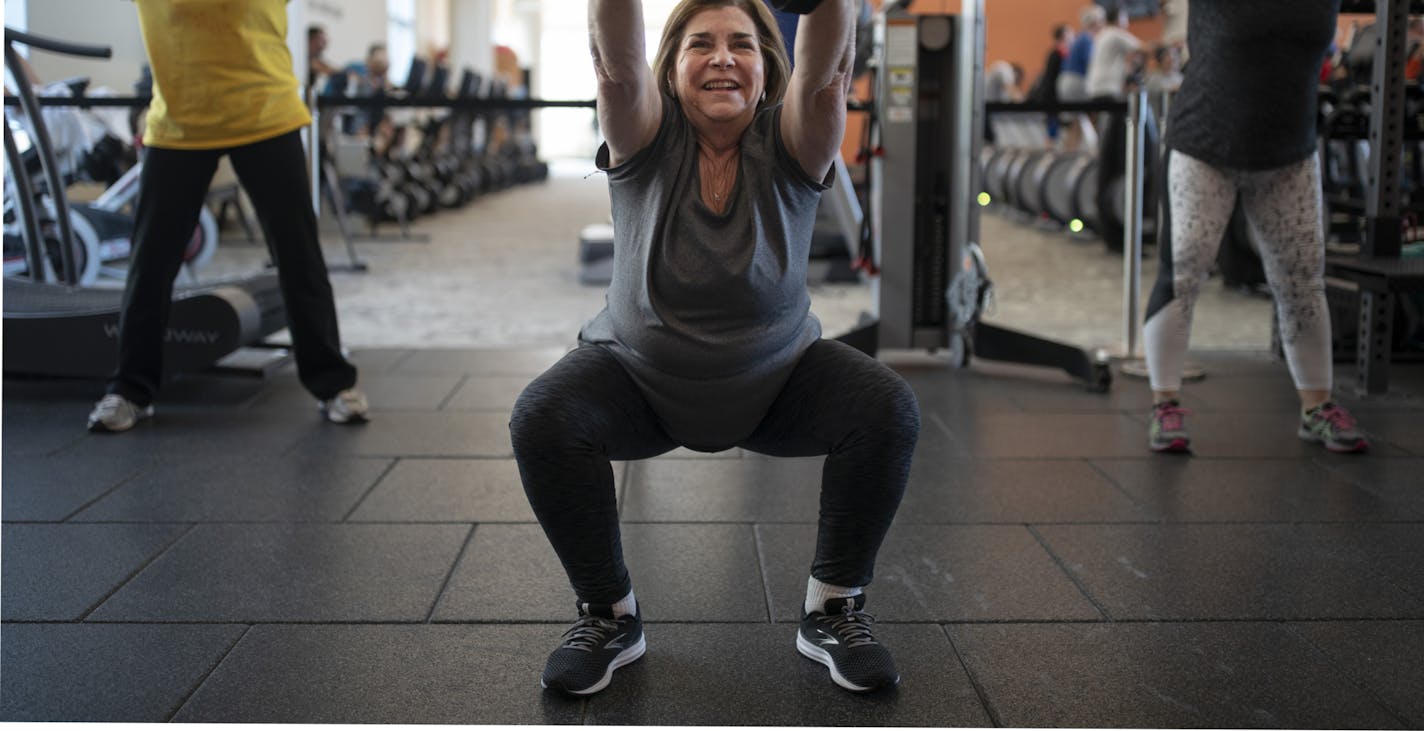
(222, 73)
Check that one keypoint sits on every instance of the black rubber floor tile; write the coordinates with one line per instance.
(1195, 675)
(1383, 657)
(200, 435)
(31, 430)
(1402, 430)
(944, 440)
(488, 393)
(47, 489)
(481, 362)
(1015, 376)
(1395, 551)
(680, 572)
(207, 393)
(105, 673)
(1014, 491)
(383, 393)
(389, 674)
(300, 487)
(1265, 490)
(752, 675)
(408, 393)
(695, 573)
(376, 361)
(1235, 572)
(449, 490)
(410, 434)
(1397, 481)
(953, 394)
(935, 574)
(508, 573)
(1363, 404)
(60, 571)
(293, 573)
(1126, 394)
(1051, 436)
(723, 490)
(1226, 390)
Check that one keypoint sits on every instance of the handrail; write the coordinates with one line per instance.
(56, 46)
(39, 132)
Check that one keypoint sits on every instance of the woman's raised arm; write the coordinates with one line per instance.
(813, 119)
(629, 107)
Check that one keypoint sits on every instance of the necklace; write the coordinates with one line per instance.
(719, 177)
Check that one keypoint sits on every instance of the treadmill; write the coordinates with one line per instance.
(57, 328)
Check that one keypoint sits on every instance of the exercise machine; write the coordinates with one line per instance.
(62, 329)
(933, 280)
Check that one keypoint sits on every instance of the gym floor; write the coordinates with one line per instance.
(235, 559)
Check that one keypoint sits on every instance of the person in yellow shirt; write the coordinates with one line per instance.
(223, 84)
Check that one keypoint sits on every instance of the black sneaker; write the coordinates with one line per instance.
(593, 648)
(841, 639)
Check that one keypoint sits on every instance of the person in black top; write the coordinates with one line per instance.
(1045, 87)
(1244, 124)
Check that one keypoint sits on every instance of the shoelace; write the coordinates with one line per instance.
(853, 625)
(1170, 415)
(1336, 417)
(588, 632)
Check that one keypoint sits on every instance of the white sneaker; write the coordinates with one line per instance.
(114, 413)
(347, 407)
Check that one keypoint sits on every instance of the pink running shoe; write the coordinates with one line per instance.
(1167, 432)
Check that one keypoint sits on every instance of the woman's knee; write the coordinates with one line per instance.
(890, 410)
(540, 419)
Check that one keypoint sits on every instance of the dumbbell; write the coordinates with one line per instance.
(800, 7)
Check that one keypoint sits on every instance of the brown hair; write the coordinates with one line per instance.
(775, 62)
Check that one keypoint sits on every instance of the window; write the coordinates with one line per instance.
(400, 38)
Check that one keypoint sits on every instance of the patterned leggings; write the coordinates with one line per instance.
(1283, 209)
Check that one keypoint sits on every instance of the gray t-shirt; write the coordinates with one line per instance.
(1248, 96)
(708, 312)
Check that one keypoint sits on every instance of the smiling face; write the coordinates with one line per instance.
(720, 75)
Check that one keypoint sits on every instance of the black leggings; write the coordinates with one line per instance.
(586, 410)
(174, 184)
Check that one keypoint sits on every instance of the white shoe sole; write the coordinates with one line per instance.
(625, 657)
(337, 419)
(821, 656)
(1336, 447)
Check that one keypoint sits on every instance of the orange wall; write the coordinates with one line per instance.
(1017, 31)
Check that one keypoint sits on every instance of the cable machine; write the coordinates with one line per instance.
(932, 282)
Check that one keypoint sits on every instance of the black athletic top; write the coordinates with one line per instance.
(1248, 96)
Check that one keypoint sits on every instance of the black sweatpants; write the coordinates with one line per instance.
(174, 184)
(586, 410)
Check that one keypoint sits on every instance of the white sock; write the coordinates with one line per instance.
(627, 606)
(817, 592)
